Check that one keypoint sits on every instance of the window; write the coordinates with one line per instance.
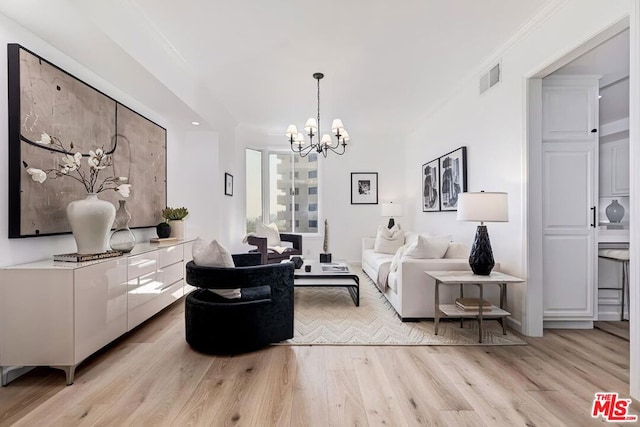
(254, 188)
(275, 190)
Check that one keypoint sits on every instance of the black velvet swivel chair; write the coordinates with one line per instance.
(269, 256)
(263, 315)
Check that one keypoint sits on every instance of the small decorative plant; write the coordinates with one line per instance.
(172, 214)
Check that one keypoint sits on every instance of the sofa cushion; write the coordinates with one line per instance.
(458, 250)
(214, 255)
(388, 240)
(270, 232)
(428, 247)
(375, 259)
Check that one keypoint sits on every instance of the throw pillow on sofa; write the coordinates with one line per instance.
(388, 240)
(270, 232)
(214, 255)
(428, 247)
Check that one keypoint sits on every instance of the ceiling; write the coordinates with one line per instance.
(386, 64)
(611, 61)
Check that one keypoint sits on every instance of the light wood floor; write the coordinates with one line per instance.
(619, 329)
(151, 377)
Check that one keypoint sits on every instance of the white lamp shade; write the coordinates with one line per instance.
(311, 125)
(390, 209)
(344, 136)
(299, 139)
(483, 207)
(326, 139)
(337, 126)
(292, 130)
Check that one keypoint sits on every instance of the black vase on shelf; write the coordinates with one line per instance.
(164, 230)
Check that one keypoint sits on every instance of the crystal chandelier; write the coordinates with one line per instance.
(323, 145)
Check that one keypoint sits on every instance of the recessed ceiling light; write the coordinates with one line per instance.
(195, 123)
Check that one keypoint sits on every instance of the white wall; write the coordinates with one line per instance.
(493, 127)
(348, 223)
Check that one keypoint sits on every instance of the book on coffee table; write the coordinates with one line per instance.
(472, 303)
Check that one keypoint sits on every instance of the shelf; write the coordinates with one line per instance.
(452, 310)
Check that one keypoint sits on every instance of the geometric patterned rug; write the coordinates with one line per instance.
(328, 316)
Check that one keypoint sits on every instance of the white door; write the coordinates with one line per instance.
(569, 195)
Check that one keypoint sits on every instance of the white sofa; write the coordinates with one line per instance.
(410, 291)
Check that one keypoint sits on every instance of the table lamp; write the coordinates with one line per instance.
(391, 209)
(482, 207)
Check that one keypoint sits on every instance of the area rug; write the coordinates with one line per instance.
(328, 316)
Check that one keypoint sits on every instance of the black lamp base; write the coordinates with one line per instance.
(481, 257)
(391, 223)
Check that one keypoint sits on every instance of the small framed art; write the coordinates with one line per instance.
(431, 186)
(364, 188)
(228, 184)
(453, 178)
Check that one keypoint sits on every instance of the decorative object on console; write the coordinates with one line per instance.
(122, 239)
(615, 212)
(91, 220)
(175, 217)
(431, 186)
(391, 209)
(482, 207)
(43, 135)
(163, 230)
(364, 188)
(228, 184)
(453, 178)
(325, 256)
(76, 257)
(297, 139)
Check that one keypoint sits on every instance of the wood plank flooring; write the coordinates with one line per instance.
(151, 377)
(619, 328)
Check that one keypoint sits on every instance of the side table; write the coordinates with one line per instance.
(462, 278)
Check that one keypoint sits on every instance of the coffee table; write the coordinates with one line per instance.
(336, 274)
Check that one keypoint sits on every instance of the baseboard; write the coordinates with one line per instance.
(514, 324)
(609, 317)
(568, 324)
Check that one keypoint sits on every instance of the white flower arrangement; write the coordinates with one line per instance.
(71, 166)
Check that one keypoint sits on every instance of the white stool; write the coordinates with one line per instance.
(622, 256)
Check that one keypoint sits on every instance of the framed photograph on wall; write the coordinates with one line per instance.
(453, 178)
(364, 188)
(431, 186)
(228, 184)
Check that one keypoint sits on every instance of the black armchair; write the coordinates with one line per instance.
(269, 256)
(263, 315)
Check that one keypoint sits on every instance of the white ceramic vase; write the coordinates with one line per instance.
(177, 228)
(91, 220)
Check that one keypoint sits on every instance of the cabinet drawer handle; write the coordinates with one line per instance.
(593, 213)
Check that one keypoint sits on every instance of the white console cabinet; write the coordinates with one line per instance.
(58, 313)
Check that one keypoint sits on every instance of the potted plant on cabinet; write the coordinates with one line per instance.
(175, 218)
